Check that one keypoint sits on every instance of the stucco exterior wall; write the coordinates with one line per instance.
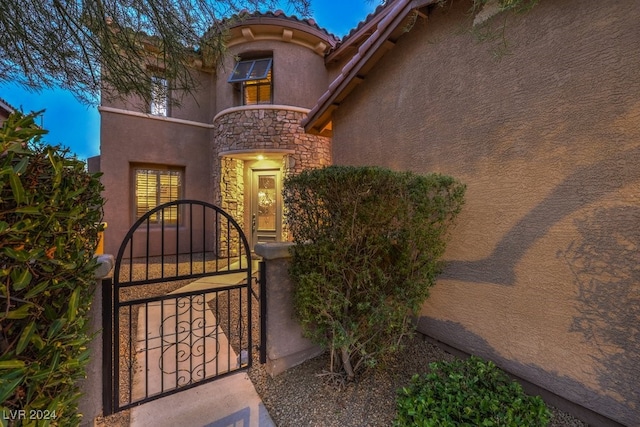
(197, 106)
(299, 75)
(543, 270)
(129, 140)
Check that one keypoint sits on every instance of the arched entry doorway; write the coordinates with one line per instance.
(251, 191)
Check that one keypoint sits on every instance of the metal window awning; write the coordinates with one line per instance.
(255, 69)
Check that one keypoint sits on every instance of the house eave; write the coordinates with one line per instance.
(389, 29)
(350, 46)
(281, 28)
(5, 107)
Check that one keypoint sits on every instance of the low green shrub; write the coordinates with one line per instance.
(50, 211)
(368, 247)
(469, 393)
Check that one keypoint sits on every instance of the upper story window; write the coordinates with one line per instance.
(254, 78)
(159, 96)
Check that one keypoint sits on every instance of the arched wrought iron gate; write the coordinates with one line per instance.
(180, 311)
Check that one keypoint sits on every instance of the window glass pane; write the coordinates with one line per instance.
(159, 96)
(257, 91)
(255, 69)
(250, 95)
(241, 71)
(264, 94)
(155, 187)
(260, 69)
(146, 184)
(267, 198)
(169, 191)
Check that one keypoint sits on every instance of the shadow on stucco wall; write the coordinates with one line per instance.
(586, 185)
(605, 261)
(560, 385)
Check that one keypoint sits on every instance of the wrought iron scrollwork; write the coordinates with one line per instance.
(190, 341)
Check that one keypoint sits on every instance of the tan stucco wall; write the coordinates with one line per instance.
(196, 106)
(286, 345)
(299, 75)
(127, 140)
(543, 268)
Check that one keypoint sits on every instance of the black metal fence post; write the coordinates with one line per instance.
(262, 279)
(107, 346)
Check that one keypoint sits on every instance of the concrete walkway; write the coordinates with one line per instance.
(229, 401)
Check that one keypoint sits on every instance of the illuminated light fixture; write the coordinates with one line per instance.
(260, 157)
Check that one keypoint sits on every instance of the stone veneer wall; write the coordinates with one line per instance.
(269, 129)
(232, 196)
(261, 128)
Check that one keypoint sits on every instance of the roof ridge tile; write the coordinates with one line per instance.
(279, 13)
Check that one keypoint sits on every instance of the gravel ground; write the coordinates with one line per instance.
(302, 396)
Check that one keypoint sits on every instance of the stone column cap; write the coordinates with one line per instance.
(106, 263)
(273, 250)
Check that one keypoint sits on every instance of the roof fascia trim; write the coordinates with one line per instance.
(103, 109)
(6, 106)
(285, 23)
(342, 85)
(354, 38)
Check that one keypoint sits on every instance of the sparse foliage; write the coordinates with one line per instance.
(493, 32)
(73, 43)
(507, 5)
(50, 213)
(368, 248)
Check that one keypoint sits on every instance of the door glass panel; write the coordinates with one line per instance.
(267, 202)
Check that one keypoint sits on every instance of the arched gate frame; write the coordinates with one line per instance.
(179, 313)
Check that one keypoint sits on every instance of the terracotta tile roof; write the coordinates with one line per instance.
(350, 43)
(380, 32)
(6, 107)
(245, 17)
(370, 17)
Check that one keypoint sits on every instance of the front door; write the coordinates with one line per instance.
(266, 206)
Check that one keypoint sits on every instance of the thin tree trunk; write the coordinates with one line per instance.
(346, 363)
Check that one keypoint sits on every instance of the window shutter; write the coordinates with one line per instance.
(155, 187)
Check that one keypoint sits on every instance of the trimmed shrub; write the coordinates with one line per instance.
(469, 393)
(50, 211)
(368, 247)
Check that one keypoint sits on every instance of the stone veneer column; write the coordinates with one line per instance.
(232, 185)
(232, 195)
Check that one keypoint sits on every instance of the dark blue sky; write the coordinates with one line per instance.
(77, 125)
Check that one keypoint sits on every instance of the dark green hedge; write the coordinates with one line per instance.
(368, 247)
(50, 211)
